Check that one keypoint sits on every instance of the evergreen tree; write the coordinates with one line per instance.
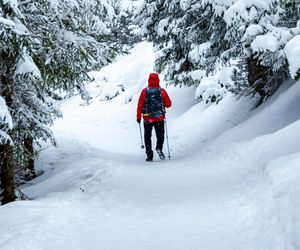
(193, 38)
(188, 37)
(257, 33)
(124, 29)
(10, 32)
(46, 47)
(292, 13)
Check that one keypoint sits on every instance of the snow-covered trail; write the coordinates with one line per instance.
(102, 199)
(170, 205)
(97, 191)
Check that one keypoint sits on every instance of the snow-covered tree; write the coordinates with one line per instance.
(75, 38)
(47, 46)
(192, 38)
(188, 37)
(124, 29)
(257, 33)
(212, 88)
(33, 113)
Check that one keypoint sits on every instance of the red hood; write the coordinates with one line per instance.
(153, 79)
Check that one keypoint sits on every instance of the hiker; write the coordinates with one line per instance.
(152, 103)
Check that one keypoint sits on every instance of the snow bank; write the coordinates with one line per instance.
(284, 176)
(281, 110)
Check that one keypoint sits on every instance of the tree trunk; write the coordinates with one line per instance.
(7, 173)
(256, 75)
(29, 156)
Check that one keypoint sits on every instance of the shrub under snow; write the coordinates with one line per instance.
(212, 88)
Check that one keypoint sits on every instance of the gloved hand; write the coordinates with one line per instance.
(138, 120)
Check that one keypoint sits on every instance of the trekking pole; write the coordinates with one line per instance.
(142, 144)
(168, 146)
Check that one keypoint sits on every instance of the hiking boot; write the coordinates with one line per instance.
(149, 155)
(160, 154)
(149, 159)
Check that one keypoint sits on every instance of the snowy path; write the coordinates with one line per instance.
(118, 201)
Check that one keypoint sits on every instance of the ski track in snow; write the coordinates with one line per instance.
(98, 193)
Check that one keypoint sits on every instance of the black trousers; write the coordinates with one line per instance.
(160, 136)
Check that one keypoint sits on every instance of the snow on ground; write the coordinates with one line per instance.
(232, 182)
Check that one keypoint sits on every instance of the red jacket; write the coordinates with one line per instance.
(153, 82)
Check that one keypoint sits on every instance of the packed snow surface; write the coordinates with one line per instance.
(232, 181)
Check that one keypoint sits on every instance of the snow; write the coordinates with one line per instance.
(13, 4)
(109, 9)
(232, 182)
(292, 52)
(4, 114)
(196, 53)
(162, 25)
(197, 74)
(253, 30)
(246, 10)
(100, 27)
(6, 22)
(284, 175)
(5, 121)
(185, 4)
(133, 6)
(265, 42)
(26, 65)
(68, 36)
(20, 28)
(16, 25)
(213, 88)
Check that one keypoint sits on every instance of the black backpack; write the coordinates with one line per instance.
(154, 106)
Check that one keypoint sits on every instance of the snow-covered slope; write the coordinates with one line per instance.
(232, 182)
